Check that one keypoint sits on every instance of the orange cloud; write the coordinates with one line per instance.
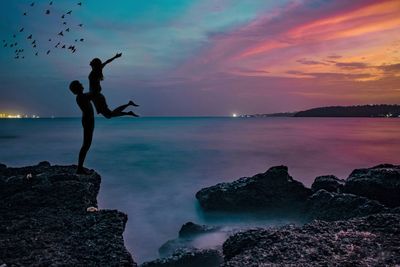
(373, 18)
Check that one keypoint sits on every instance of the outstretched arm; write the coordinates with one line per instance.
(111, 59)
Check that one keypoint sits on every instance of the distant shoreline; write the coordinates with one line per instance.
(361, 111)
(253, 116)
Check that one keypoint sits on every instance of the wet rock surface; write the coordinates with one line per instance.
(189, 257)
(191, 229)
(329, 183)
(358, 219)
(274, 190)
(44, 219)
(367, 241)
(187, 234)
(380, 183)
(324, 205)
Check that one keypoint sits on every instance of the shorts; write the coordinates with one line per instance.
(99, 102)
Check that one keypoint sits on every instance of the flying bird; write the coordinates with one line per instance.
(36, 54)
(65, 23)
(63, 46)
(21, 30)
(67, 30)
(33, 4)
(34, 42)
(63, 16)
(34, 46)
(81, 39)
(80, 3)
(29, 37)
(25, 13)
(14, 35)
(48, 52)
(5, 45)
(61, 33)
(57, 45)
(80, 25)
(47, 12)
(51, 3)
(69, 12)
(50, 40)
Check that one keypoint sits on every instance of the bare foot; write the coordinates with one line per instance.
(82, 171)
(133, 104)
(133, 114)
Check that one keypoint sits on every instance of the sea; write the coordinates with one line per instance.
(152, 167)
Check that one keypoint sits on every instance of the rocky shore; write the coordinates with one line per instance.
(367, 241)
(45, 220)
(49, 217)
(352, 222)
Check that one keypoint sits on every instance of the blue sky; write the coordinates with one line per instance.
(179, 56)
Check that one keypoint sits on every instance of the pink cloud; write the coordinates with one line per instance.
(297, 29)
(308, 53)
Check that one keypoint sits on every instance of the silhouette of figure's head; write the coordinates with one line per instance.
(96, 63)
(76, 87)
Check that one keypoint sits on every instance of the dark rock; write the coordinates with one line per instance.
(367, 241)
(189, 258)
(191, 229)
(328, 182)
(395, 210)
(43, 220)
(187, 234)
(44, 164)
(380, 183)
(274, 190)
(324, 205)
(171, 246)
(3, 166)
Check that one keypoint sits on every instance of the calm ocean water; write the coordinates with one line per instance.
(152, 167)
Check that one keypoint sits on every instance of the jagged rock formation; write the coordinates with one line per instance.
(365, 241)
(329, 206)
(380, 183)
(189, 258)
(274, 190)
(44, 219)
(187, 234)
(329, 183)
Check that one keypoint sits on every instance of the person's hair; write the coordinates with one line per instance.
(75, 87)
(97, 68)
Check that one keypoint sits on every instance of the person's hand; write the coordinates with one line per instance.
(118, 55)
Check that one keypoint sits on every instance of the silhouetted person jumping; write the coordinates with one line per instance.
(83, 101)
(95, 77)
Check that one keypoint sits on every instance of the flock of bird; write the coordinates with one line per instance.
(57, 41)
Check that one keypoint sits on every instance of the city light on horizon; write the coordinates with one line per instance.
(17, 116)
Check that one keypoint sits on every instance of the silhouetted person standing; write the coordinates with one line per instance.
(95, 77)
(83, 101)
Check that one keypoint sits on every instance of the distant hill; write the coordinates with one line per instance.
(352, 111)
(381, 110)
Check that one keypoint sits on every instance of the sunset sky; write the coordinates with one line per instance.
(205, 57)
